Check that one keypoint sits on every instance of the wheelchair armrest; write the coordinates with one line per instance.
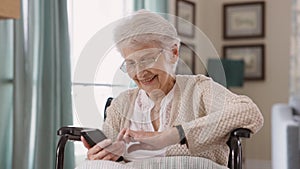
(241, 132)
(73, 133)
(66, 133)
(234, 143)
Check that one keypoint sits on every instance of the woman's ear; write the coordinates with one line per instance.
(175, 52)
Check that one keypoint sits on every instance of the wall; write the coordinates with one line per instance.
(275, 87)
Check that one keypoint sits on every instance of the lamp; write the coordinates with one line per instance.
(227, 72)
(10, 9)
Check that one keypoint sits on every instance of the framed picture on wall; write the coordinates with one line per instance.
(253, 56)
(187, 59)
(185, 10)
(244, 20)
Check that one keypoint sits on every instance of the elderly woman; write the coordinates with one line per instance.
(168, 114)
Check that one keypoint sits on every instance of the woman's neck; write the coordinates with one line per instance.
(157, 95)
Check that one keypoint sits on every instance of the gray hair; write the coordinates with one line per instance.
(145, 28)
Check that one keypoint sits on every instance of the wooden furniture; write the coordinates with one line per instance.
(10, 9)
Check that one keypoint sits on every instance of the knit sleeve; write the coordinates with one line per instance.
(111, 126)
(119, 113)
(223, 112)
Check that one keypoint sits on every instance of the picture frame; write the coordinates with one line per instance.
(253, 56)
(187, 59)
(185, 24)
(244, 20)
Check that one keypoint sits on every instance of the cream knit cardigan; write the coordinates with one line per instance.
(206, 110)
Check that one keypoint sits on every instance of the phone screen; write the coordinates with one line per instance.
(93, 136)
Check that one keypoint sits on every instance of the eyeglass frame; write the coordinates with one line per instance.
(123, 65)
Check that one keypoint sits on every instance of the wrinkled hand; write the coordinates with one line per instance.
(151, 140)
(106, 149)
(131, 134)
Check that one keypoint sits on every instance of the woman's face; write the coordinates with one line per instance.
(150, 68)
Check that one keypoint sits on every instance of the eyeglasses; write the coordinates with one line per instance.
(147, 60)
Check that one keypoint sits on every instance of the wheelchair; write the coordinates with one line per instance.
(73, 134)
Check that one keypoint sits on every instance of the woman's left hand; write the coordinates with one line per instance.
(151, 140)
(131, 134)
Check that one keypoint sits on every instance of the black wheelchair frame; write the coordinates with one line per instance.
(73, 134)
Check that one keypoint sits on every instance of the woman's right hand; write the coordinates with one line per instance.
(106, 149)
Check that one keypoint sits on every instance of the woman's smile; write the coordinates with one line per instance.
(149, 80)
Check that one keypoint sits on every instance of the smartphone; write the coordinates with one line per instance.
(93, 136)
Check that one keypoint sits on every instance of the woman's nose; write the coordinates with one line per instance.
(139, 68)
(141, 73)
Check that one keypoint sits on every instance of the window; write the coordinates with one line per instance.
(85, 19)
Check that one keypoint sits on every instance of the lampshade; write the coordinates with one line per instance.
(233, 69)
(10, 9)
